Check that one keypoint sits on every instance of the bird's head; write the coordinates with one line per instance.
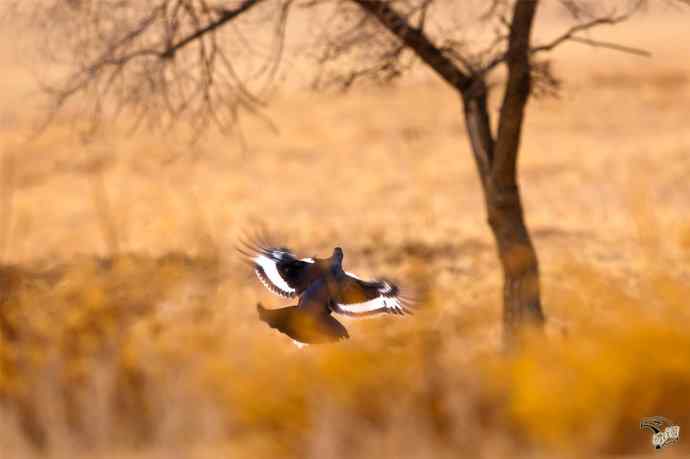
(337, 259)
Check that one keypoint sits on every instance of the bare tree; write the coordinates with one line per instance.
(206, 61)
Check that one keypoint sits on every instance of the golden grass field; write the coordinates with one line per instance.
(128, 326)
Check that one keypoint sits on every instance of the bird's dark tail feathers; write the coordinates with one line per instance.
(303, 326)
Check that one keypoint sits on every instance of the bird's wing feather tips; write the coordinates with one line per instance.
(362, 298)
(279, 269)
(266, 270)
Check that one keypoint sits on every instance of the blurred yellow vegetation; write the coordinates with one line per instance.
(630, 360)
(625, 355)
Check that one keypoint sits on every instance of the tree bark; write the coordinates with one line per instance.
(496, 159)
(521, 293)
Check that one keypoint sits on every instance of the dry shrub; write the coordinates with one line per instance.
(65, 343)
(627, 356)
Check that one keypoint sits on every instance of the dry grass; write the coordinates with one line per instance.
(127, 323)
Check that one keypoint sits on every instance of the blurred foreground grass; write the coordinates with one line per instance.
(132, 354)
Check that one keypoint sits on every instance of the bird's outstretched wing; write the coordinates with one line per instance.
(361, 298)
(280, 270)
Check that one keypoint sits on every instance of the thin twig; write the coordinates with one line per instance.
(571, 35)
(226, 16)
(614, 46)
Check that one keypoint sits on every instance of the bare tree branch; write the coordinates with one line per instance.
(127, 60)
(176, 58)
(226, 16)
(571, 34)
(417, 41)
(515, 96)
(613, 46)
(357, 48)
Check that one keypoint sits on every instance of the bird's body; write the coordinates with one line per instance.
(308, 322)
(323, 287)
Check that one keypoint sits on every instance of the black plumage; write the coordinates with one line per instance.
(323, 288)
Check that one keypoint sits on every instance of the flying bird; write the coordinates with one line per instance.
(323, 288)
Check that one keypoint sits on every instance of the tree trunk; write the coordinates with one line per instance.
(497, 166)
(496, 158)
(521, 296)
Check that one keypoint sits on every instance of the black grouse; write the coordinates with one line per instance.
(323, 287)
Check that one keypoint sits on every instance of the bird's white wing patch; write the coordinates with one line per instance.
(353, 275)
(379, 304)
(384, 303)
(267, 272)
